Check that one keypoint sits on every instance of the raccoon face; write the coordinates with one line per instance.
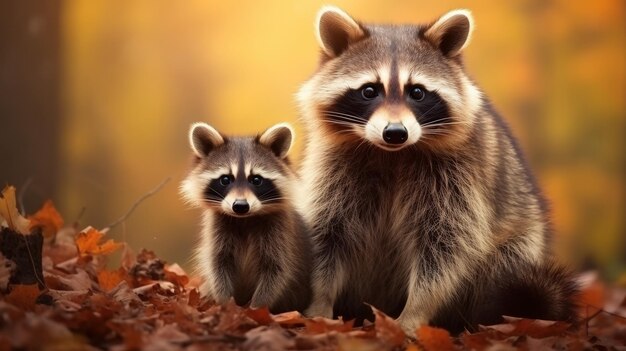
(392, 86)
(240, 176)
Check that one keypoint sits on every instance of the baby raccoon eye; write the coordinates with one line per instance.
(225, 180)
(417, 93)
(256, 180)
(369, 92)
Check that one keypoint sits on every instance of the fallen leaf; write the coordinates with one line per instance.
(289, 319)
(88, 240)
(10, 214)
(6, 269)
(23, 296)
(433, 339)
(48, 218)
(110, 279)
(535, 328)
(387, 328)
(175, 274)
(260, 315)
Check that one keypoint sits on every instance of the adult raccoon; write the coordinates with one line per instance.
(418, 197)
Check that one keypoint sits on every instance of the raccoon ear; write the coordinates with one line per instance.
(451, 33)
(336, 30)
(278, 138)
(203, 138)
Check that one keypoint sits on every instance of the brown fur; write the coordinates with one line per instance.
(407, 227)
(260, 257)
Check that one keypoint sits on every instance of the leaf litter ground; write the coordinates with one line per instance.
(76, 303)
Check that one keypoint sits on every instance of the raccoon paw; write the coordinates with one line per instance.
(410, 325)
(319, 310)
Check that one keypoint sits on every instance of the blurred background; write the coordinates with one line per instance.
(96, 98)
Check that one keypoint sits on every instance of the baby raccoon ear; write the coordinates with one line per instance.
(278, 138)
(451, 33)
(336, 30)
(203, 139)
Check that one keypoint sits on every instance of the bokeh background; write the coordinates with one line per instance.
(96, 98)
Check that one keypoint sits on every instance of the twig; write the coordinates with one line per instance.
(137, 203)
(20, 196)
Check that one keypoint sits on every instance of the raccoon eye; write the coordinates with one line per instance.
(417, 93)
(225, 180)
(369, 92)
(256, 180)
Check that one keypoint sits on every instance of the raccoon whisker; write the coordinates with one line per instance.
(343, 123)
(430, 109)
(437, 120)
(344, 119)
(336, 113)
(444, 124)
(220, 196)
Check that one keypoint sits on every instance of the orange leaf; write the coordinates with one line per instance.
(9, 212)
(87, 243)
(23, 296)
(433, 339)
(260, 315)
(287, 319)
(48, 218)
(388, 329)
(110, 279)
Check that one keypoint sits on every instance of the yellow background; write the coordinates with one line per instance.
(136, 73)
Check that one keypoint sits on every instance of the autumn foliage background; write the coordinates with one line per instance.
(97, 97)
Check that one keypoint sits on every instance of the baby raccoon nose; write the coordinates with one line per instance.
(395, 133)
(241, 206)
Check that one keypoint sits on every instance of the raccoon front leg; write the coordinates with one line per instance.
(328, 277)
(273, 280)
(219, 274)
(428, 292)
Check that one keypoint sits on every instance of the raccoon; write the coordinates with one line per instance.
(419, 200)
(254, 245)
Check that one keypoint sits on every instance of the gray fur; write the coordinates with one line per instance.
(408, 231)
(261, 258)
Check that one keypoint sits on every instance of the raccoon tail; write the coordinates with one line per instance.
(544, 291)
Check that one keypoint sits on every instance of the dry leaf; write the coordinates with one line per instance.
(88, 240)
(6, 269)
(110, 279)
(388, 329)
(23, 296)
(260, 315)
(434, 339)
(10, 214)
(48, 218)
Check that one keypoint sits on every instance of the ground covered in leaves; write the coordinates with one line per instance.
(57, 293)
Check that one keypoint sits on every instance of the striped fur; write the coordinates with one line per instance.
(260, 257)
(406, 225)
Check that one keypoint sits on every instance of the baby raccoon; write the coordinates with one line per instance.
(418, 197)
(254, 245)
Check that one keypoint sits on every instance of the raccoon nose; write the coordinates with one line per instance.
(395, 133)
(241, 206)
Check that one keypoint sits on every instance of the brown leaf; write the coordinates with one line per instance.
(319, 325)
(535, 328)
(260, 315)
(88, 240)
(10, 214)
(433, 339)
(388, 329)
(175, 274)
(110, 279)
(6, 269)
(289, 319)
(48, 218)
(23, 296)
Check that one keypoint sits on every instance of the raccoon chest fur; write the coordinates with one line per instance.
(382, 228)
